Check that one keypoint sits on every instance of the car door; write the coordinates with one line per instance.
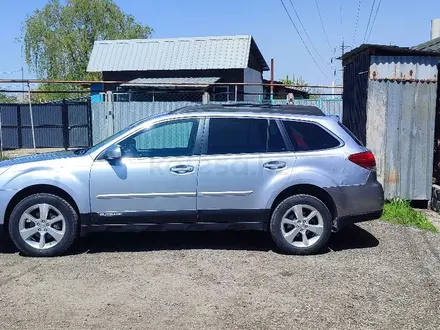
(155, 181)
(243, 160)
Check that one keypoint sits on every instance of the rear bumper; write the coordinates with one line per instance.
(347, 221)
(358, 201)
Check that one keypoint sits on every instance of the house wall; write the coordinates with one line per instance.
(355, 94)
(253, 93)
(226, 76)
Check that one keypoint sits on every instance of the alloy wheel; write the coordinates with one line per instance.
(302, 225)
(42, 226)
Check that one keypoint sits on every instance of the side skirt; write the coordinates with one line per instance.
(209, 220)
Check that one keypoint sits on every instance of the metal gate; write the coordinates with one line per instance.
(64, 125)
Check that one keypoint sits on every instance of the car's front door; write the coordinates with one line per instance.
(155, 181)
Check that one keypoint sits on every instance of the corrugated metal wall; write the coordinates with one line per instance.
(126, 113)
(400, 125)
(56, 125)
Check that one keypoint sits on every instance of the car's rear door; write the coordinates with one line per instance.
(242, 160)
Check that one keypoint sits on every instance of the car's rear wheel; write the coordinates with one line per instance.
(301, 224)
(43, 225)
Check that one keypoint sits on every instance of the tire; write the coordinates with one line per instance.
(288, 230)
(43, 214)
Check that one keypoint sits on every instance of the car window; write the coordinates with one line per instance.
(237, 135)
(275, 141)
(175, 138)
(309, 136)
(351, 134)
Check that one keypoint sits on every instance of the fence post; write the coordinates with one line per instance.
(65, 124)
(205, 98)
(19, 132)
(89, 123)
(109, 114)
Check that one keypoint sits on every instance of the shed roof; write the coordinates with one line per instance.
(172, 82)
(385, 50)
(431, 45)
(200, 53)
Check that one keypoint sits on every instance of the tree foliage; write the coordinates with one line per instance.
(5, 98)
(59, 38)
(300, 81)
(295, 81)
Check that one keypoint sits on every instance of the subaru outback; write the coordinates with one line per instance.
(289, 170)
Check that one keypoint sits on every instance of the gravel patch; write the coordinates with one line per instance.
(374, 276)
(24, 152)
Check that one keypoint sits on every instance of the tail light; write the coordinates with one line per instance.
(364, 159)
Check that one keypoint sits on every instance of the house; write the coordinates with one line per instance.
(175, 65)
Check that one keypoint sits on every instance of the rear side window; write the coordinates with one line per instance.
(275, 142)
(237, 135)
(351, 134)
(308, 136)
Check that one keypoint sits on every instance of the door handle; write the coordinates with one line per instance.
(274, 165)
(182, 169)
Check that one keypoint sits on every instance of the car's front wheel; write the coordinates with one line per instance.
(301, 224)
(43, 225)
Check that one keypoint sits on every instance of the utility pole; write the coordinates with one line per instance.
(343, 47)
(22, 84)
(272, 68)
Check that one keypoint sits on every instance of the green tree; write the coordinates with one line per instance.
(5, 98)
(58, 39)
(295, 81)
(300, 81)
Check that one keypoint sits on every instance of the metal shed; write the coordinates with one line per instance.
(390, 100)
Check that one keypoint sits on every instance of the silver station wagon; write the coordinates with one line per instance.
(287, 170)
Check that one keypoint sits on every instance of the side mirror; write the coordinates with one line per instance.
(113, 153)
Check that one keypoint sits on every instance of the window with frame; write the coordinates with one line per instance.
(275, 140)
(307, 136)
(237, 136)
(173, 138)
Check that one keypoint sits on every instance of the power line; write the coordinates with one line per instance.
(369, 20)
(357, 22)
(374, 19)
(322, 24)
(342, 24)
(305, 45)
(9, 72)
(305, 31)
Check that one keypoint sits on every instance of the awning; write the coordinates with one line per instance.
(199, 82)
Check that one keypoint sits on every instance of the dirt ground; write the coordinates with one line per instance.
(374, 276)
(24, 152)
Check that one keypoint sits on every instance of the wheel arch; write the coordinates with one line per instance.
(307, 189)
(36, 189)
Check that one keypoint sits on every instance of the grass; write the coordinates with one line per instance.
(400, 212)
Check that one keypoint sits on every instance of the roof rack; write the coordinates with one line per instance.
(254, 108)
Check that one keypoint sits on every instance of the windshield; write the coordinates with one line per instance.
(114, 136)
